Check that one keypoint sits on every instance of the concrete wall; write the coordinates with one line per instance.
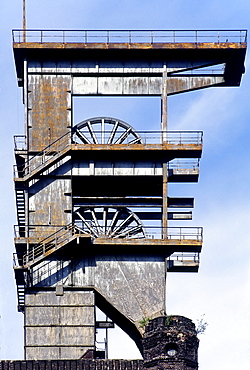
(58, 324)
(49, 109)
(133, 284)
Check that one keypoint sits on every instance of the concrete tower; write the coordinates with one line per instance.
(92, 199)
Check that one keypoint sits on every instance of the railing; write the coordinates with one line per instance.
(35, 231)
(193, 257)
(183, 166)
(175, 138)
(54, 241)
(42, 158)
(65, 234)
(151, 232)
(148, 137)
(20, 142)
(129, 36)
(17, 262)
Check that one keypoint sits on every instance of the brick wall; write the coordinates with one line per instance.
(72, 365)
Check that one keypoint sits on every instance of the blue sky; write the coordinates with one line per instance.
(222, 203)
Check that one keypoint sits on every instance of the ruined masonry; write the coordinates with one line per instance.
(94, 218)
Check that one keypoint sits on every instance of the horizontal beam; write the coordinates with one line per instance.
(132, 202)
(182, 266)
(140, 85)
(144, 215)
(167, 246)
(171, 54)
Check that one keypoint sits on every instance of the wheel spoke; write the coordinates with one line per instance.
(95, 220)
(135, 141)
(113, 133)
(123, 136)
(113, 222)
(92, 133)
(104, 220)
(82, 137)
(129, 231)
(87, 224)
(122, 225)
(103, 131)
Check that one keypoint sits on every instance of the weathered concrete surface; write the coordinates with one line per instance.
(49, 109)
(133, 284)
(59, 326)
(49, 202)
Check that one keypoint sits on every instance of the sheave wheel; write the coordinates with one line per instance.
(109, 222)
(105, 130)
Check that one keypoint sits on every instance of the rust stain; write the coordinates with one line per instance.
(198, 45)
(49, 111)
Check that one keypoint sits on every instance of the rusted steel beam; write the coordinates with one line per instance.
(169, 242)
(137, 147)
(169, 245)
(147, 46)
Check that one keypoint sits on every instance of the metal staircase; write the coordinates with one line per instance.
(44, 159)
(20, 297)
(20, 282)
(20, 206)
(51, 244)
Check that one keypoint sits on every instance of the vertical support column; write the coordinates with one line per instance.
(164, 124)
(26, 130)
(25, 101)
(24, 20)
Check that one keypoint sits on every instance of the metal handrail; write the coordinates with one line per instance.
(184, 164)
(130, 36)
(20, 142)
(178, 256)
(172, 137)
(40, 159)
(36, 230)
(59, 238)
(16, 260)
(151, 232)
